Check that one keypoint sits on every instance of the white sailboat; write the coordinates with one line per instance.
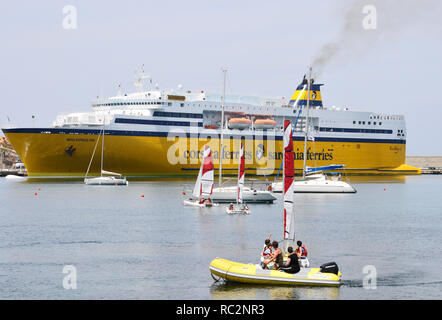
(314, 180)
(240, 207)
(202, 191)
(228, 194)
(106, 177)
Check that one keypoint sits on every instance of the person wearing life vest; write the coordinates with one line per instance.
(301, 252)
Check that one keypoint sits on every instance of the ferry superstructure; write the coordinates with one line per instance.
(152, 133)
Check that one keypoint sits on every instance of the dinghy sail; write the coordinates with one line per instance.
(207, 174)
(203, 188)
(240, 206)
(288, 177)
(241, 170)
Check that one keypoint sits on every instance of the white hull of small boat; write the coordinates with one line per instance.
(237, 210)
(229, 194)
(106, 181)
(318, 185)
(14, 177)
(196, 203)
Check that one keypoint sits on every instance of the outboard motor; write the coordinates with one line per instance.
(329, 267)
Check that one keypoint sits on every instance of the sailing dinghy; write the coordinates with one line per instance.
(202, 191)
(240, 207)
(326, 275)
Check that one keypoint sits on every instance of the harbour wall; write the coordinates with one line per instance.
(424, 162)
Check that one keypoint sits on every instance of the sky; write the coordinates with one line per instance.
(392, 67)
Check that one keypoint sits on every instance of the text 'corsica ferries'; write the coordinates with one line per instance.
(155, 132)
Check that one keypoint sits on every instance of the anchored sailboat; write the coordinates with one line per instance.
(202, 191)
(326, 275)
(318, 182)
(229, 193)
(106, 177)
(240, 207)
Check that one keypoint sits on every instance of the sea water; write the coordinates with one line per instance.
(67, 240)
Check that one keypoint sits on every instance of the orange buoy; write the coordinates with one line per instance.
(142, 196)
(184, 192)
(385, 189)
(35, 193)
(38, 188)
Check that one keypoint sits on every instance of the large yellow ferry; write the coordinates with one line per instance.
(152, 133)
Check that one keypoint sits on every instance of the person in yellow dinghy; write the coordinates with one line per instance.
(301, 251)
(266, 251)
(292, 263)
(277, 258)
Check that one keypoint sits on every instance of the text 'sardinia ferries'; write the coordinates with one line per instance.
(326, 275)
(155, 132)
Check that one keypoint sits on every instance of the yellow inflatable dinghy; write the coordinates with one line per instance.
(252, 273)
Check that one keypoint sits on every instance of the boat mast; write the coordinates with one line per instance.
(283, 178)
(239, 174)
(306, 122)
(221, 153)
(102, 147)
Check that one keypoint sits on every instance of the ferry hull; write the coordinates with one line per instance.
(67, 154)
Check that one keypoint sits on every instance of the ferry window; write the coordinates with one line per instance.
(169, 104)
(363, 122)
(359, 122)
(380, 123)
(374, 122)
(354, 122)
(182, 105)
(369, 122)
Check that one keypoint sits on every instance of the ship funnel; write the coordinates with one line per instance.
(300, 96)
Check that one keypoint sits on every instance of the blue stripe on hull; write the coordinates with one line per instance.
(184, 134)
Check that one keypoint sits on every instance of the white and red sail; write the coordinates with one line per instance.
(289, 172)
(207, 174)
(241, 170)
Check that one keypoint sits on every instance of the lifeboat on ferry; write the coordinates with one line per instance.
(265, 124)
(239, 123)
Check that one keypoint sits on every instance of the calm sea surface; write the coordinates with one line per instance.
(125, 246)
